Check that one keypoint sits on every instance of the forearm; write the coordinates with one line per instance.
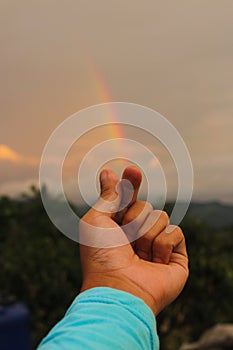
(104, 318)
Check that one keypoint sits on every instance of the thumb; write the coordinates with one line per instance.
(108, 183)
(110, 197)
(96, 228)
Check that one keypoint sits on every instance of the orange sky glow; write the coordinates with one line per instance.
(58, 58)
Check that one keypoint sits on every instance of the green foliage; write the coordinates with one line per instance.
(207, 297)
(41, 267)
(38, 264)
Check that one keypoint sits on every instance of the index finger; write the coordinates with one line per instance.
(134, 176)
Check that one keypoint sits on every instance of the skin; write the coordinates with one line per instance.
(154, 267)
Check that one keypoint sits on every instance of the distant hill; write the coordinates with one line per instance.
(215, 214)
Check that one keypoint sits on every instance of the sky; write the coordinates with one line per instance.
(176, 57)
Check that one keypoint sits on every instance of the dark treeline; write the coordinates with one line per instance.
(41, 268)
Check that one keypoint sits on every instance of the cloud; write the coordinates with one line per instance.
(18, 172)
(177, 60)
(9, 155)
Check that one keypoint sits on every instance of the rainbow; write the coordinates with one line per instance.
(104, 96)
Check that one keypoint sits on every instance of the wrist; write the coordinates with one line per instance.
(121, 283)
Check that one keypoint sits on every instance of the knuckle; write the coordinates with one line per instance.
(178, 229)
(133, 214)
(128, 218)
(148, 206)
(179, 232)
(163, 217)
(139, 206)
(175, 229)
(109, 193)
(107, 189)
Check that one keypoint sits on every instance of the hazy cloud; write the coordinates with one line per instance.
(58, 57)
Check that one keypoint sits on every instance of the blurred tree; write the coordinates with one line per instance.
(38, 264)
(207, 297)
(41, 267)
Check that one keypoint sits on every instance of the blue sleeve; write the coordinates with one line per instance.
(104, 319)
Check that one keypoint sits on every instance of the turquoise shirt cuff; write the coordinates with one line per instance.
(104, 318)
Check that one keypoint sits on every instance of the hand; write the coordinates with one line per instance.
(154, 267)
